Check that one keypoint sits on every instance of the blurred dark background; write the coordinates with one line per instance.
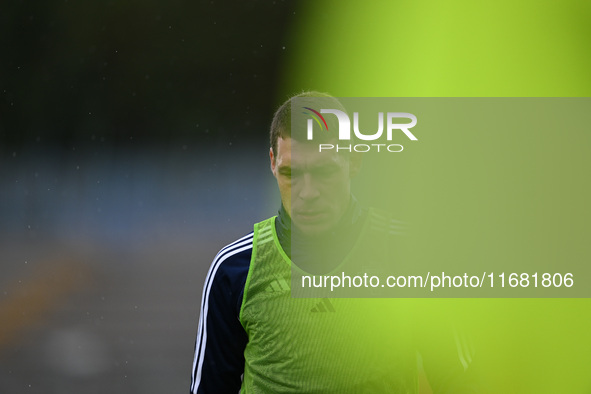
(139, 72)
(133, 146)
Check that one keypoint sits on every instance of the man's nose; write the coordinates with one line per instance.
(309, 188)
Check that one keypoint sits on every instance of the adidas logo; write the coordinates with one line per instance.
(323, 306)
(278, 285)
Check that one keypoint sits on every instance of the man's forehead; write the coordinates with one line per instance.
(304, 154)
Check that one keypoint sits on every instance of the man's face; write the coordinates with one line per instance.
(315, 186)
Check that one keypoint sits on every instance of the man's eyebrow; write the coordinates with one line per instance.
(315, 167)
(324, 166)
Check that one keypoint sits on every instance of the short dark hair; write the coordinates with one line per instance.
(281, 124)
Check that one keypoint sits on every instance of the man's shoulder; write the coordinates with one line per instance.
(235, 257)
(230, 266)
(235, 252)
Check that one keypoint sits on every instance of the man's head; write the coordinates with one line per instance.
(281, 124)
(315, 186)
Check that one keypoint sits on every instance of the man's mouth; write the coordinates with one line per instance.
(311, 215)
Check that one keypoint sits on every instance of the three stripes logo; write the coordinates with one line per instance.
(278, 285)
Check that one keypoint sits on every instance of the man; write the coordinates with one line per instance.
(253, 336)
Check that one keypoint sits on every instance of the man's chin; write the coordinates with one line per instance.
(313, 228)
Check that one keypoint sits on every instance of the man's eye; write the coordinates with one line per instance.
(325, 172)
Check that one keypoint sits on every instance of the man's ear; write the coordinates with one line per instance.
(272, 158)
(355, 160)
